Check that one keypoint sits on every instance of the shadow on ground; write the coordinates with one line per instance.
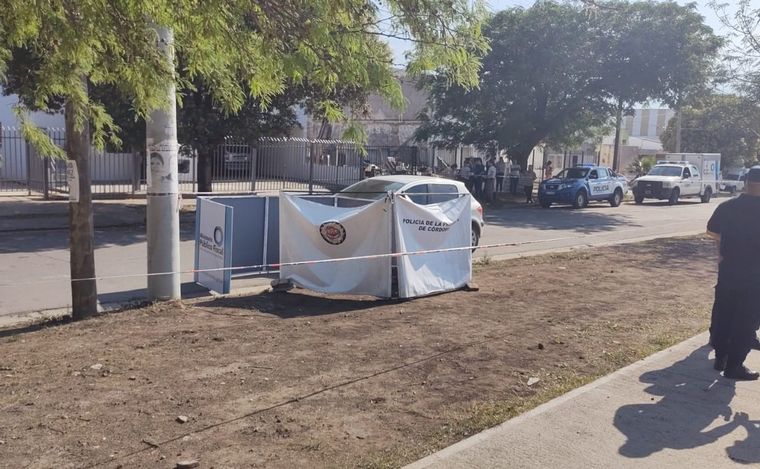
(295, 304)
(593, 219)
(673, 253)
(692, 398)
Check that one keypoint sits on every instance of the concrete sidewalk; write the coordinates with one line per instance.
(22, 213)
(669, 410)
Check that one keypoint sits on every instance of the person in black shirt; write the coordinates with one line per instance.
(736, 312)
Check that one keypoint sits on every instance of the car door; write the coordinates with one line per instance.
(604, 187)
(696, 181)
(596, 184)
(687, 184)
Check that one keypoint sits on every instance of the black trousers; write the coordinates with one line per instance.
(513, 184)
(528, 193)
(735, 318)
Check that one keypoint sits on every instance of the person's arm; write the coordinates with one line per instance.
(714, 228)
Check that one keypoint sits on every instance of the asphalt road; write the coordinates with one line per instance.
(34, 264)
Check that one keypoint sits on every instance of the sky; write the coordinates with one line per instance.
(400, 47)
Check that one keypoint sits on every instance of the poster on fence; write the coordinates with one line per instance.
(311, 231)
(430, 227)
(213, 246)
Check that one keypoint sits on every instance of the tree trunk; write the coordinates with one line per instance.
(205, 174)
(616, 150)
(84, 293)
(678, 130)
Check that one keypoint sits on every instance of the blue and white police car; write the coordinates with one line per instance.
(581, 184)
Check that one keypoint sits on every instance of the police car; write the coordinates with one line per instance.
(581, 184)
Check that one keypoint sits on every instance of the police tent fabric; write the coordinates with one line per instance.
(443, 225)
(311, 231)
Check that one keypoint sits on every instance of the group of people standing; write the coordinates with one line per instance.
(484, 181)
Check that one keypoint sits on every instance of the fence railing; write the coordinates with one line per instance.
(270, 164)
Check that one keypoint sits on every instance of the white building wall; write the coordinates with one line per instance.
(8, 115)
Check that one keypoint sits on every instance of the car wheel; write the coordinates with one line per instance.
(617, 198)
(707, 196)
(581, 200)
(674, 196)
(474, 237)
(545, 204)
(639, 199)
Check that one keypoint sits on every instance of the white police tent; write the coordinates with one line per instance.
(338, 245)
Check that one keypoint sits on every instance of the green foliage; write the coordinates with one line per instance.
(741, 21)
(725, 124)
(235, 50)
(643, 165)
(555, 71)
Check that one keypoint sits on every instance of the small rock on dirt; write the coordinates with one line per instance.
(187, 464)
(96, 366)
(182, 419)
(540, 346)
(532, 381)
(471, 287)
(150, 442)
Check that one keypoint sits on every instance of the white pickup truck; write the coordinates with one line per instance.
(681, 175)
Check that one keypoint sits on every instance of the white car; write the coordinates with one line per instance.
(733, 182)
(422, 190)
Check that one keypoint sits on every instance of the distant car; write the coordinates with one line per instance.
(579, 185)
(422, 190)
(733, 182)
(237, 158)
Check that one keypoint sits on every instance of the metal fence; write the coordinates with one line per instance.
(391, 158)
(268, 165)
(301, 164)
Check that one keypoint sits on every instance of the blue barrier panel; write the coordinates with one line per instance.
(253, 229)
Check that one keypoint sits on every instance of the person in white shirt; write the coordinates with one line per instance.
(514, 177)
(490, 181)
(501, 170)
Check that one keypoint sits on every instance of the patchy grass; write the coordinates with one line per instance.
(299, 379)
(552, 384)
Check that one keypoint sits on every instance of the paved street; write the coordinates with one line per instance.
(562, 228)
(33, 263)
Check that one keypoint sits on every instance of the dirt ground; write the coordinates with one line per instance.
(297, 379)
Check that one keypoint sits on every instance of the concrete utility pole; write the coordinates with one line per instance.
(163, 189)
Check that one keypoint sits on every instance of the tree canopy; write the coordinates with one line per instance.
(741, 19)
(555, 70)
(725, 124)
(233, 49)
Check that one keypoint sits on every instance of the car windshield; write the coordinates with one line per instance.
(573, 173)
(665, 171)
(371, 189)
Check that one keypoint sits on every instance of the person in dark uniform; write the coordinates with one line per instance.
(736, 311)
